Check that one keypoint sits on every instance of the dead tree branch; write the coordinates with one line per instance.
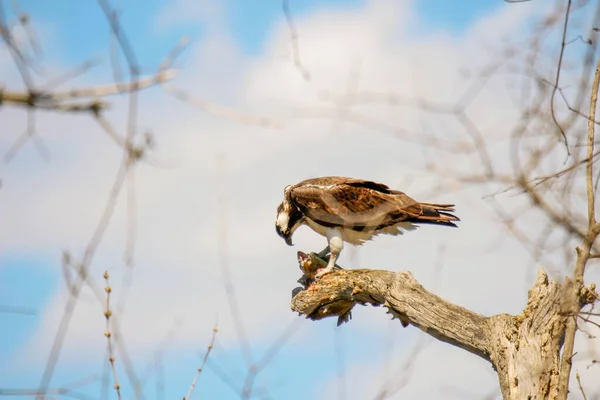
(524, 349)
(584, 250)
(65, 100)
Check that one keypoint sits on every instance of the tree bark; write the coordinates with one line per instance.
(523, 349)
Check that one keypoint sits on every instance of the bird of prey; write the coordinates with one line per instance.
(353, 211)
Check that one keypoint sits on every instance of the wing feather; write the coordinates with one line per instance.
(353, 203)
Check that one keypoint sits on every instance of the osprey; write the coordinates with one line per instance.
(353, 211)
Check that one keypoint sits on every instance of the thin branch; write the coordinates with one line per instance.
(222, 374)
(223, 111)
(62, 79)
(175, 52)
(557, 79)
(590, 150)
(583, 251)
(105, 380)
(28, 134)
(127, 362)
(124, 43)
(589, 321)
(131, 215)
(159, 352)
(404, 374)
(285, 5)
(114, 54)
(67, 390)
(199, 371)
(232, 300)
(57, 100)
(269, 354)
(580, 386)
(82, 276)
(24, 20)
(274, 348)
(18, 57)
(108, 334)
(556, 217)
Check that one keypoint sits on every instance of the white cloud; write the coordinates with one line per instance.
(410, 373)
(177, 272)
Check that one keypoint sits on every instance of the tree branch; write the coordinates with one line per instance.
(58, 100)
(584, 250)
(337, 293)
(524, 349)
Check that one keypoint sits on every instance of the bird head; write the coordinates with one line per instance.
(287, 220)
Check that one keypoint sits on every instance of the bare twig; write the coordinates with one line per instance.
(199, 371)
(156, 363)
(580, 386)
(222, 111)
(207, 106)
(266, 358)
(590, 152)
(131, 216)
(25, 22)
(584, 250)
(404, 374)
(61, 79)
(224, 263)
(82, 269)
(589, 321)
(108, 334)
(18, 57)
(68, 390)
(59, 100)
(223, 375)
(285, 5)
(557, 79)
(175, 52)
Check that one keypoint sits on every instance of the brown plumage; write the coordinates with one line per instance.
(363, 205)
(354, 211)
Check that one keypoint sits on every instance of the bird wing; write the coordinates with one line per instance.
(353, 203)
(342, 180)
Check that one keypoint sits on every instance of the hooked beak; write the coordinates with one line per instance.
(285, 235)
(288, 240)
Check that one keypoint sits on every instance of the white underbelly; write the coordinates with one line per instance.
(359, 237)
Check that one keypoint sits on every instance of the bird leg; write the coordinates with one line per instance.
(336, 245)
(323, 253)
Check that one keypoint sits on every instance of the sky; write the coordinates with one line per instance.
(205, 198)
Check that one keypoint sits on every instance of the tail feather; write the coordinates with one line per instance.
(440, 214)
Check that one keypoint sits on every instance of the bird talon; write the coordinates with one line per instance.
(323, 272)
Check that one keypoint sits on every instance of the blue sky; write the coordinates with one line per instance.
(249, 22)
(307, 366)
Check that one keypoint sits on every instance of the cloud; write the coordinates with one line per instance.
(409, 372)
(178, 207)
(178, 268)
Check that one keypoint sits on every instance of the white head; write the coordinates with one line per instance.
(287, 220)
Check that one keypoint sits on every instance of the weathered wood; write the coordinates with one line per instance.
(524, 349)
